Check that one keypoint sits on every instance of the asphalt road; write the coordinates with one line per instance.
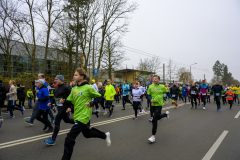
(189, 134)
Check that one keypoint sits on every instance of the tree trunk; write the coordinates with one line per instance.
(9, 66)
(46, 50)
(70, 64)
(76, 55)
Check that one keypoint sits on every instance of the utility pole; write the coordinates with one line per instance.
(93, 56)
(163, 73)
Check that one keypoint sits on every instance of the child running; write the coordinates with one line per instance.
(81, 97)
(230, 96)
(136, 96)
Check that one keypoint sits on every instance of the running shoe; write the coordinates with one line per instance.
(176, 107)
(10, 117)
(49, 130)
(151, 139)
(204, 108)
(143, 111)
(105, 113)
(108, 140)
(97, 113)
(217, 109)
(220, 108)
(166, 102)
(199, 104)
(147, 107)
(192, 107)
(6, 112)
(196, 107)
(110, 115)
(167, 114)
(53, 120)
(135, 118)
(151, 119)
(23, 111)
(123, 109)
(50, 142)
(29, 122)
(1, 122)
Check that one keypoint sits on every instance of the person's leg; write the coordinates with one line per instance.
(151, 110)
(110, 107)
(61, 113)
(231, 103)
(135, 107)
(10, 107)
(156, 116)
(124, 101)
(51, 114)
(1, 105)
(45, 118)
(35, 110)
(102, 103)
(192, 101)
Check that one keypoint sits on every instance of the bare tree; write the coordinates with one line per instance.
(113, 55)
(53, 10)
(150, 64)
(8, 11)
(171, 69)
(183, 75)
(114, 12)
(26, 30)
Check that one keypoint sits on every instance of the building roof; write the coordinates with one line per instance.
(134, 70)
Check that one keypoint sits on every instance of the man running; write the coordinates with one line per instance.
(217, 89)
(203, 88)
(81, 97)
(174, 91)
(194, 94)
(109, 96)
(43, 111)
(237, 88)
(126, 90)
(156, 92)
(61, 91)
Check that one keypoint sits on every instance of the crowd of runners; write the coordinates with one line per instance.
(83, 99)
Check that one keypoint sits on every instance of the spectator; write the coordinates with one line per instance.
(30, 97)
(21, 95)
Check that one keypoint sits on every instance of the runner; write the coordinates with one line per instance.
(174, 91)
(12, 94)
(136, 96)
(237, 92)
(156, 92)
(184, 93)
(208, 96)
(223, 92)
(36, 104)
(230, 96)
(61, 91)
(194, 94)
(217, 89)
(109, 96)
(102, 92)
(81, 97)
(180, 93)
(203, 90)
(43, 100)
(126, 90)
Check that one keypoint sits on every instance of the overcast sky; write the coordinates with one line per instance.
(187, 31)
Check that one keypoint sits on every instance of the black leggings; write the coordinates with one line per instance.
(156, 116)
(194, 98)
(224, 100)
(126, 100)
(102, 103)
(218, 102)
(231, 103)
(203, 99)
(135, 106)
(11, 106)
(21, 102)
(1, 105)
(42, 116)
(108, 105)
(184, 98)
(61, 115)
(74, 132)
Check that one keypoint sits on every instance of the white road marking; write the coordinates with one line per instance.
(45, 136)
(215, 146)
(238, 114)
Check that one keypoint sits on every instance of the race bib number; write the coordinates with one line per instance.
(192, 92)
(204, 94)
(230, 96)
(173, 95)
(124, 94)
(10, 97)
(223, 95)
(217, 94)
(208, 94)
(57, 100)
(237, 91)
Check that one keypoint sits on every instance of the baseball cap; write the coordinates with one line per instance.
(93, 80)
(41, 81)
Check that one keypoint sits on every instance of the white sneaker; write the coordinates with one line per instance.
(108, 140)
(151, 139)
(143, 111)
(105, 113)
(204, 108)
(167, 114)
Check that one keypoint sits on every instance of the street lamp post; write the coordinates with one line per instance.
(191, 73)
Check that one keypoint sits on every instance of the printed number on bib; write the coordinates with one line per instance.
(217, 94)
(230, 96)
(204, 94)
(173, 95)
(192, 92)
